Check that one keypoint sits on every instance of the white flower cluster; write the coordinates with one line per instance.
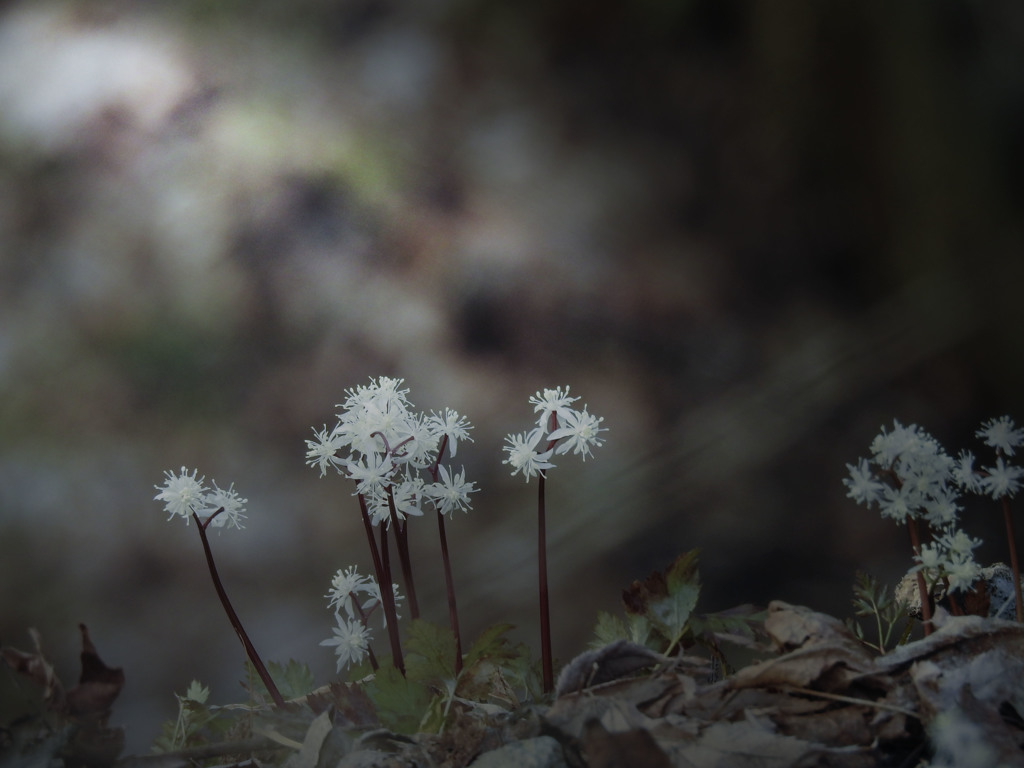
(184, 494)
(382, 444)
(531, 452)
(910, 476)
(351, 632)
(1001, 479)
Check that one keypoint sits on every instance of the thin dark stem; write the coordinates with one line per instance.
(545, 614)
(387, 597)
(250, 650)
(453, 612)
(922, 588)
(402, 540)
(362, 618)
(1012, 541)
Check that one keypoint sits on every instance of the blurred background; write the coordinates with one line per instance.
(748, 234)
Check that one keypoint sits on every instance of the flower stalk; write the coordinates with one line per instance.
(1011, 540)
(250, 649)
(387, 596)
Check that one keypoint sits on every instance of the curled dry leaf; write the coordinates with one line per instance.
(36, 668)
(98, 686)
(603, 665)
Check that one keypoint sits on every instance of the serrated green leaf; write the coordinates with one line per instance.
(492, 644)
(292, 679)
(429, 653)
(197, 692)
(682, 574)
(609, 628)
(671, 613)
(400, 703)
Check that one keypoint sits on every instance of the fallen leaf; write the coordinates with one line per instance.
(98, 686)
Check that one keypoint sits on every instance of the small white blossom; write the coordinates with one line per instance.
(451, 492)
(230, 502)
(406, 496)
(889, 446)
(372, 473)
(940, 509)
(1001, 480)
(931, 557)
(962, 572)
(351, 640)
(580, 431)
(898, 503)
(964, 474)
(552, 401)
(345, 584)
(959, 543)
(182, 494)
(452, 426)
(323, 450)
(1001, 434)
(523, 456)
(375, 600)
(862, 485)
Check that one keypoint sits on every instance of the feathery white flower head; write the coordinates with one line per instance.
(523, 455)
(1001, 434)
(185, 494)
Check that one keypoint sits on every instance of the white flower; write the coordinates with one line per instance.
(962, 572)
(1001, 434)
(452, 426)
(889, 446)
(931, 557)
(940, 509)
(451, 492)
(580, 431)
(959, 543)
(406, 496)
(182, 494)
(417, 444)
(323, 451)
(351, 640)
(964, 474)
(862, 485)
(228, 500)
(523, 456)
(344, 585)
(552, 401)
(371, 474)
(1001, 480)
(898, 503)
(375, 600)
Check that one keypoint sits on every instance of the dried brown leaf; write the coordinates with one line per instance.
(98, 686)
(36, 668)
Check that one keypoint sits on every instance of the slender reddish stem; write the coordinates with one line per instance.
(1012, 541)
(453, 611)
(545, 613)
(402, 541)
(387, 597)
(250, 649)
(922, 588)
(362, 618)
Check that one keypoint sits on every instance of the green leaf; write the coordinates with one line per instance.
(197, 692)
(609, 628)
(401, 704)
(292, 679)
(492, 644)
(429, 653)
(671, 612)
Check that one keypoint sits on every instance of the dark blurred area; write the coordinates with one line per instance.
(748, 234)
